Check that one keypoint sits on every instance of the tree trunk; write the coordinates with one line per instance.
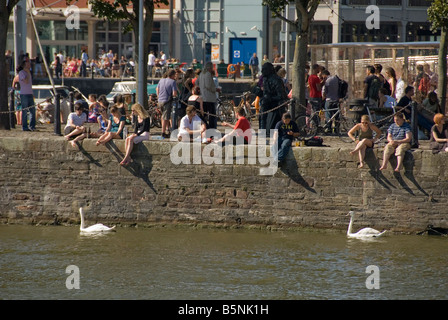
(299, 64)
(442, 84)
(4, 115)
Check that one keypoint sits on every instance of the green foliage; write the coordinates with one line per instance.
(438, 14)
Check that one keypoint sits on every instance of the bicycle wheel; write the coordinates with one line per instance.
(225, 112)
(345, 124)
(307, 128)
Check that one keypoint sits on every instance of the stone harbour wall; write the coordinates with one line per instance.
(44, 181)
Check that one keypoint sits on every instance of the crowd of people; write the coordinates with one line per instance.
(197, 91)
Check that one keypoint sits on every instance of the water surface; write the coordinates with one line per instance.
(217, 264)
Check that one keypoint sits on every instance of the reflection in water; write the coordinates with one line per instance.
(217, 264)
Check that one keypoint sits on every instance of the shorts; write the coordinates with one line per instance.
(399, 151)
(144, 136)
(166, 108)
(69, 129)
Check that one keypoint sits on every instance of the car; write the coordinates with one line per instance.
(44, 97)
(127, 88)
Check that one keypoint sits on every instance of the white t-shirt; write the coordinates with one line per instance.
(76, 120)
(151, 59)
(185, 123)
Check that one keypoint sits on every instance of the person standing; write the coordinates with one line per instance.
(330, 93)
(253, 65)
(166, 92)
(208, 93)
(84, 58)
(151, 63)
(26, 96)
(315, 85)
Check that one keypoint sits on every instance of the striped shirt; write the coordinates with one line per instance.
(399, 132)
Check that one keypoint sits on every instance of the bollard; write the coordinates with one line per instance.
(174, 114)
(57, 115)
(12, 118)
(414, 125)
(71, 101)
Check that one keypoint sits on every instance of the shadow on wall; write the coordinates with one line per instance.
(141, 165)
(408, 163)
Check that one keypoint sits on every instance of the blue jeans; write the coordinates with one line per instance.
(284, 145)
(27, 100)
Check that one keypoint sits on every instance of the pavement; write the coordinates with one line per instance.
(48, 131)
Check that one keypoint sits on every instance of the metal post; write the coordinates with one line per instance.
(141, 41)
(71, 101)
(12, 118)
(57, 115)
(414, 125)
(174, 114)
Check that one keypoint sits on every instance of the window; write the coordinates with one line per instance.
(419, 3)
(358, 32)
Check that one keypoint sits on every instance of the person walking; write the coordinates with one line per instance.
(253, 65)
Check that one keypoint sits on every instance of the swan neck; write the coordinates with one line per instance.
(349, 231)
(82, 218)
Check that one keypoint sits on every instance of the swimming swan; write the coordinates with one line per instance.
(363, 233)
(96, 228)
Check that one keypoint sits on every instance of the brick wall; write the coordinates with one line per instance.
(45, 181)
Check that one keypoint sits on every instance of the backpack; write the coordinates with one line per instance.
(342, 88)
(314, 141)
(374, 88)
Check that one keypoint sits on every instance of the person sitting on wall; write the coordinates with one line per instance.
(439, 134)
(365, 139)
(75, 125)
(191, 126)
(115, 127)
(141, 131)
(285, 132)
(399, 136)
(241, 129)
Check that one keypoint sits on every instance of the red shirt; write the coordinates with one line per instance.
(313, 80)
(244, 125)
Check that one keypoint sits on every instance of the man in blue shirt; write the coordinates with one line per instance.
(253, 65)
(166, 92)
(399, 136)
(286, 131)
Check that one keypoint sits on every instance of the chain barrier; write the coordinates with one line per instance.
(252, 116)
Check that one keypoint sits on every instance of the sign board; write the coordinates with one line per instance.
(237, 54)
(215, 52)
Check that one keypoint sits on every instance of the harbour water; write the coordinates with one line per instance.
(37, 262)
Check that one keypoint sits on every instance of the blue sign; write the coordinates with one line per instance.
(236, 54)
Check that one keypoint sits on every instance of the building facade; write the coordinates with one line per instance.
(229, 30)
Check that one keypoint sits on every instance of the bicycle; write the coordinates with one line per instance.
(314, 124)
(225, 110)
(155, 114)
(245, 102)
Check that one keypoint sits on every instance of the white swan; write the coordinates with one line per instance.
(363, 233)
(96, 228)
